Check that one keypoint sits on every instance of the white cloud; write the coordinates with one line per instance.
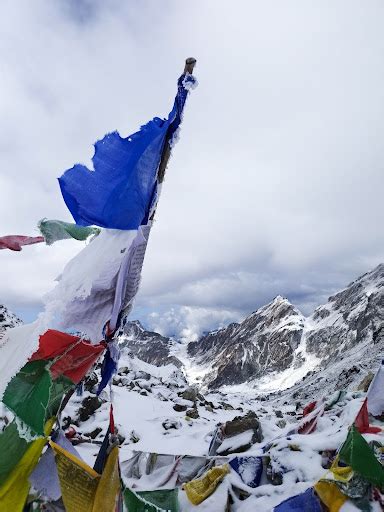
(188, 323)
(276, 184)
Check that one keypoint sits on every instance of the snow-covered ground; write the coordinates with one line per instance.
(144, 399)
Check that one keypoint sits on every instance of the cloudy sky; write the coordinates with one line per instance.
(276, 185)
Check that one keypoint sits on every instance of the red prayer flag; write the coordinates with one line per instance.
(14, 242)
(362, 421)
(111, 420)
(309, 426)
(76, 355)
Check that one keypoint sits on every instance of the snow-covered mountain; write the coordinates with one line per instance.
(277, 347)
(278, 344)
(264, 342)
(7, 319)
(148, 346)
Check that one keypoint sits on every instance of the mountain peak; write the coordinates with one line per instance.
(7, 319)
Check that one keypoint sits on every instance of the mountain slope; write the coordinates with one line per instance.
(351, 317)
(7, 320)
(277, 346)
(151, 347)
(264, 342)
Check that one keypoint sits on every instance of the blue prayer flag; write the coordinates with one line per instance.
(118, 193)
(249, 468)
(304, 502)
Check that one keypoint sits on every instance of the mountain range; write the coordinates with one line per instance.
(277, 346)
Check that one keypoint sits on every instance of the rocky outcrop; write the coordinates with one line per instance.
(278, 338)
(151, 347)
(352, 317)
(7, 320)
(264, 342)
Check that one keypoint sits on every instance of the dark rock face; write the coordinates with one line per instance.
(151, 347)
(351, 317)
(264, 342)
(8, 320)
(241, 424)
(277, 337)
(88, 407)
(233, 429)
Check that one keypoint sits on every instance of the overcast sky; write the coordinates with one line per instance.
(276, 185)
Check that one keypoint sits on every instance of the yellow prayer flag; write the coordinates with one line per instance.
(330, 495)
(82, 488)
(14, 491)
(198, 490)
(341, 473)
(78, 481)
(109, 484)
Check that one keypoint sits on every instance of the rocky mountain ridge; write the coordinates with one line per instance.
(278, 338)
(150, 347)
(7, 320)
(278, 344)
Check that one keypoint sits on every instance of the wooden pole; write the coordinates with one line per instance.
(188, 68)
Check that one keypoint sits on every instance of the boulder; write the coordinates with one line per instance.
(364, 384)
(192, 413)
(180, 408)
(90, 381)
(169, 424)
(240, 424)
(94, 433)
(239, 434)
(88, 407)
(189, 394)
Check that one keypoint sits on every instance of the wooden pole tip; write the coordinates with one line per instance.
(189, 65)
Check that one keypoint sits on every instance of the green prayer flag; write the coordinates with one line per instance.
(12, 449)
(33, 396)
(162, 500)
(59, 388)
(54, 230)
(357, 453)
(27, 395)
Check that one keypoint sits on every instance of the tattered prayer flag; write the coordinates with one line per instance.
(82, 488)
(330, 495)
(54, 230)
(103, 452)
(12, 449)
(73, 357)
(198, 490)
(85, 293)
(36, 391)
(78, 481)
(362, 421)
(109, 484)
(129, 276)
(118, 193)
(341, 473)
(14, 491)
(304, 502)
(44, 478)
(249, 468)
(375, 394)
(28, 393)
(162, 500)
(15, 242)
(56, 343)
(310, 419)
(357, 453)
